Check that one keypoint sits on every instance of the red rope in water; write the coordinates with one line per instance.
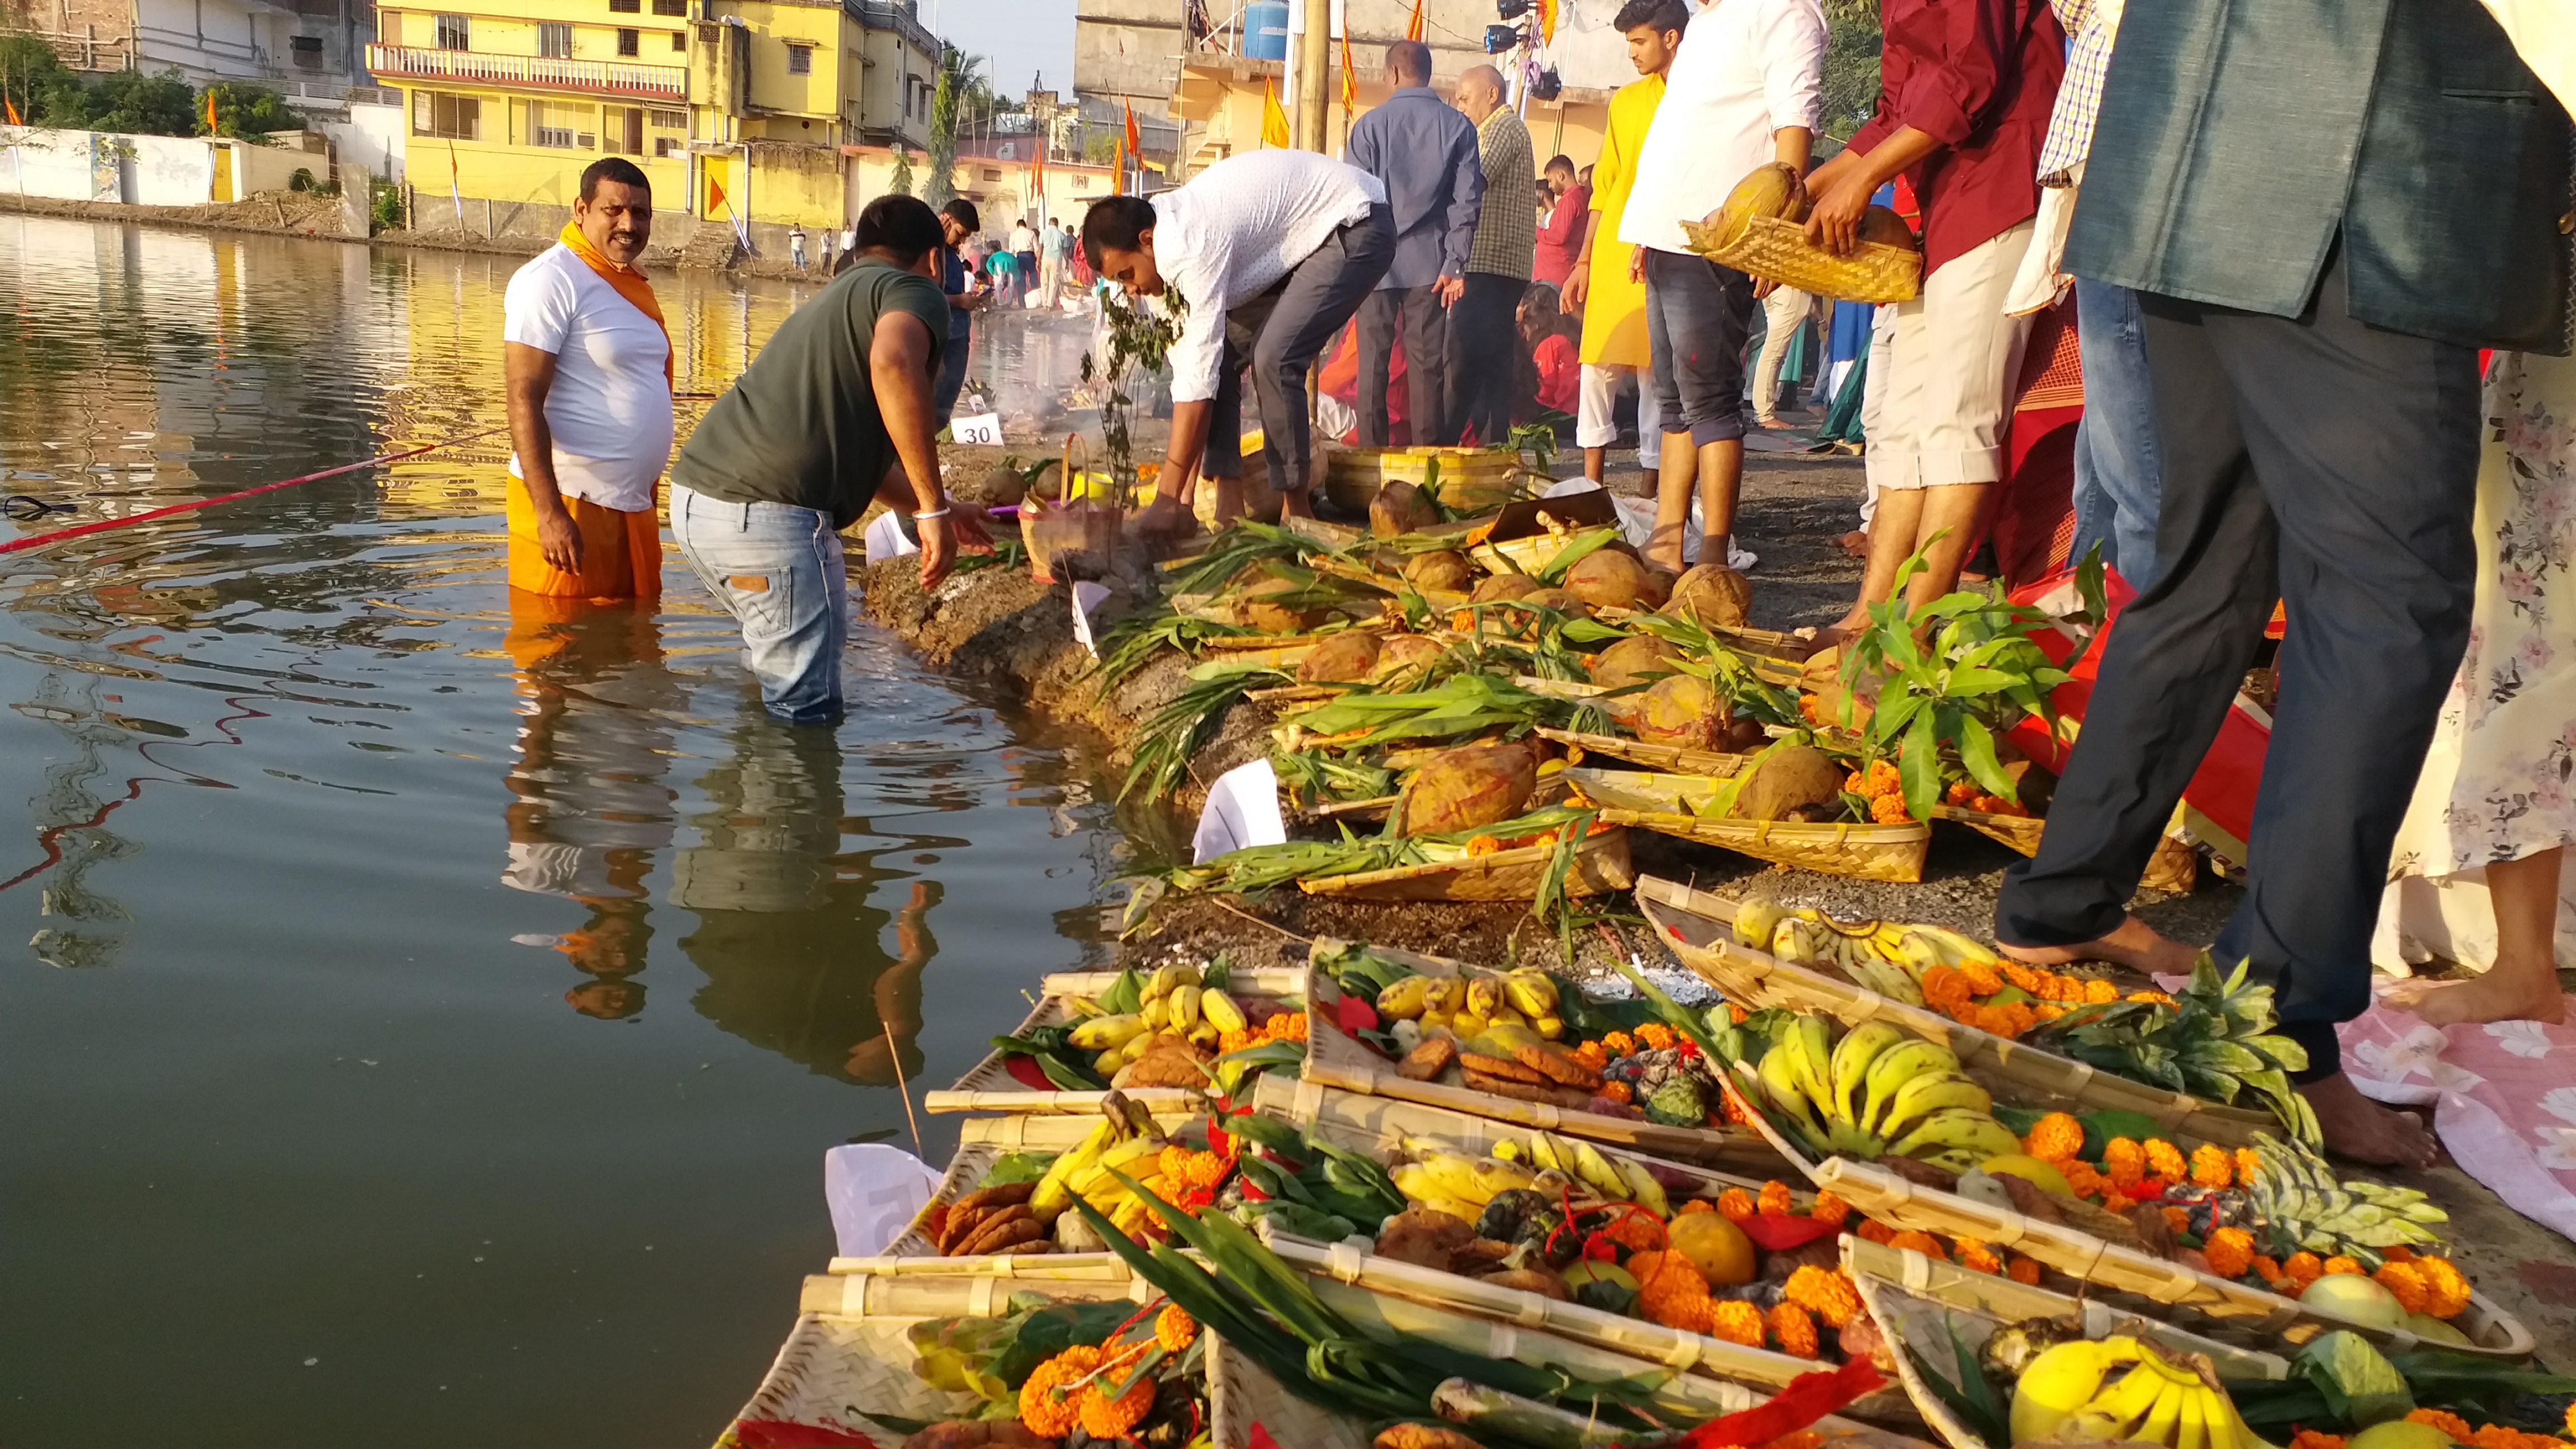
(38, 540)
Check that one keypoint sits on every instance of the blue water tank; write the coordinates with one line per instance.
(1265, 30)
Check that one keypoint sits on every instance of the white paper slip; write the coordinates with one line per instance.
(1086, 597)
(886, 539)
(980, 428)
(1242, 809)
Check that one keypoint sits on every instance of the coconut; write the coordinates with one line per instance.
(1712, 594)
(1463, 788)
(1680, 709)
(1406, 656)
(1743, 735)
(1631, 660)
(1503, 586)
(1441, 571)
(1787, 778)
(1882, 225)
(1607, 579)
(1342, 659)
(1399, 507)
(1659, 588)
(1561, 600)
(2398, 1433)
(2355, 1299)
(1254, 611)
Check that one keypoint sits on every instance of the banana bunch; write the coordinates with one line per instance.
(1173, 1003)
(1614, 1179)
(1880, 1092)
(1441, 1177)
(2299, 1200)
(1454, 1183)
(2118, 1389)
(1126, 1140)
(1888, 957)
(1470, 1005)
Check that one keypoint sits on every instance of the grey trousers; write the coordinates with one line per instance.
(1281, 333)
(1417, 314)
(1482, 337)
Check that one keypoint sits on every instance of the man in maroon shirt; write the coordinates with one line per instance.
(1966, 87)
(1560, 237)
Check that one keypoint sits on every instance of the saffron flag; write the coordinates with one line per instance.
(455, 192)
(1413, 27)
(210, 111)
(1547, 21)
(1350, 74)
(1134, 146)
(12, 104)
(1274, 121)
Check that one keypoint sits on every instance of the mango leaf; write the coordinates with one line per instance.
(1977, 752)
(1920, 767)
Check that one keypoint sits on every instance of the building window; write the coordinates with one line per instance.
(800, 59)
(389, 27)
(670, 7)
(552, 123)
(992, 173)
(679, 40)
(453, 118)
(630, 42)
(625, 131)
(672, 121)
(308, 51)
(1081, 182)
(625, 7)
(452, 33)
(554, 39)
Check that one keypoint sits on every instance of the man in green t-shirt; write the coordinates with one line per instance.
(834, 413)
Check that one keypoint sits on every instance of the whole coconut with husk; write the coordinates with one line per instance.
(1464, 788)
(1743, 735)
(1632, 661)
(1406, 657)
(1500, 587)
(1342, 659)
(1608, 579)
(1441, 571)
(1399, 507)
(1680, 709)
(1786, 778)
(1659, 588)
(1000, 486)
(1254, 609)
(1563, 601)
(1712, 594)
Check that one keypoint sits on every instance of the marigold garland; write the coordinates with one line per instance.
(2406, 1282)
(1737, 1322)
(1824, 1292)
(1174, 1328)
(1795, 1330)
(1042, 1411)
(2442, 1419)
(2448, 1289)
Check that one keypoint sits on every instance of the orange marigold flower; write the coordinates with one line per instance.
(2230, 1252)
(1961, 792)
(2442, 1419)
(1976, 1257)
(1731, 1107)
(1983, 979)
(1737, 1014)
(2302, 1268)
(1736, 1203)
(2397, 1253)
(1174, 1328)
(1483, 845)
(1774, 1201)
(1802, 1439)
(2118, 1201)
(1695, 1205)
(1824, 1292)
(1656, 1035)
(1233, 1041)
(1871, 1230)
(2268, 1269)
(2165, 1160)
(2081, 1179)
(2048, 1011)
(1887, 810)
(2448, 1289)
(2058, 1137)
(2022, 1270)
(1106, 1418)
(1940, 983)
(2571, 1421)
(1795, 1330)
(1286, 1026)
(2212, 1167)
(1592, 1054)
(1047, 1409)
(2311, 1439)
(2407, 1282)
(1737, 1323)
(2124, 1161)
(1670, 1291)
(1998, 1020)
(1618, 1043)
(1830, 1209)
(1617, 1091)
(2249, 1165)
(2155, 996)
(1921, 1242)
(2341, 1264)
(2100, 990)
(2181, 1220)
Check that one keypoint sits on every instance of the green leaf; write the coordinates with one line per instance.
(1977, 752)
(1920, 768)
(1125, 996)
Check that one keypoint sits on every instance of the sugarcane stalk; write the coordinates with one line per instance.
(1494, 1414)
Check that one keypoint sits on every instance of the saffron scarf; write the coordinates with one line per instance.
(630, 284)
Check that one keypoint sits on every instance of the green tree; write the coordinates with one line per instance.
(1851, 65)
(45, 91)
(157, 105)
(249, 112)
(900, 183)
(960, 84)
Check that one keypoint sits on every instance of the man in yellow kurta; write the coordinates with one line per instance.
(1605, 286)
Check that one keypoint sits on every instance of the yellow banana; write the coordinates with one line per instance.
(1052, 1195)
(1509, 1035)
(1781, 1085)
(1596, 1171)
(1756, 921)
(1507, 1016)
(1204, 1034)
(1417, 1182)
(1467, 1026)
(1802, 942)
(1451, 992)
(1956, 1127)
(2053, 1386)
(1160, 984)
(1156, 1013)
(1484, 996)
(1101, 1033)
(1551, 1027)
(2165, 1417)
(1931, 1092)
(1493, 1175)
(1893, 1069)
(1531, 993)
(1811, 1059)
(2191, 1427)
(1544, 1156)
(1852, 1055)
(1108, 1062)
(2127, 1402)
(1184, 1011)
(1406, 998)
(1221, 1011)
(1453, 1175)
(1955, 948)
(1643, 1190)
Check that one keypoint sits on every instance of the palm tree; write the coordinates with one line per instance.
(963, 96)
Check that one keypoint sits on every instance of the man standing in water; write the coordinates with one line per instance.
(586, 367)
(1269, 253)
(834, 413)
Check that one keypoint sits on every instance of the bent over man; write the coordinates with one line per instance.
(1269, 254)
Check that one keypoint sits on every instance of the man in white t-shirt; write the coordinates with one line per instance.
(586, 366)
(1745, 90)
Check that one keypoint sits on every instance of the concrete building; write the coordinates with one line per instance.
(309, 49)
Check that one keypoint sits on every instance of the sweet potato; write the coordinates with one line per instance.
(1009, 1194)
(1503, 1067)
(1526, 1091)
(1428, 1060)
(1558, 1066)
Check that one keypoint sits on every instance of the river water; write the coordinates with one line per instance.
(422, 1021)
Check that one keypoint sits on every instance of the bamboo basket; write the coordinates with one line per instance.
(1601, 865)
(1078, 535)
(1662, 803)
(1334, 1059)
(1674, 758)
(1699, 928)
(2021, 832)
(990, 1087)
(1472, 480)
(1778, 251)
(1376, 1126)
(982, 1141)
(1330, 535)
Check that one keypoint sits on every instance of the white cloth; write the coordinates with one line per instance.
(1941, 415)
(610, 406)
(1746, 68)
(1023, 239)
(874, 1192)
(1595, 424)
(1235, 230)
(1874, 385)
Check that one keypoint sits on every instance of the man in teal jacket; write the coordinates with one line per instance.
(2326, 207)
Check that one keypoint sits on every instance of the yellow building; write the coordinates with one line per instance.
(736, 109)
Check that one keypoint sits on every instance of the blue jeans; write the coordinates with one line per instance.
(952, 374)
(1698, 315)
(777, 568)
(2118, 475)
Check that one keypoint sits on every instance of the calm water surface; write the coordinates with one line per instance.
(422, 1020)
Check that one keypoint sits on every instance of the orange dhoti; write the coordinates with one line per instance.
(621, 552)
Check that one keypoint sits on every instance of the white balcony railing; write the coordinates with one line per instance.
(601, 77)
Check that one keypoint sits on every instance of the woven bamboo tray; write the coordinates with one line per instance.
(1660, 803)
(990, 1087)
(1699, 928)
(1600, 866)
(1778, 251)
(1472, 480)
(1638, 752)
(981, 1141)
(2021, 832)
(1334, 1059)
(1377, 1126)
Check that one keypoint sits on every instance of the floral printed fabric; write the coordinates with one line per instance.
(2504, 1099)
(2496, 784)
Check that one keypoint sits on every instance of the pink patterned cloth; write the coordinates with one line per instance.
(2504, 1099)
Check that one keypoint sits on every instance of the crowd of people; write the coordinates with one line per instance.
(2282, 404)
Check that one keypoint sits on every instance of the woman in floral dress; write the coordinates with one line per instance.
(2496, 803)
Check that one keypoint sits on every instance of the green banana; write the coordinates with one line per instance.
(1811, 1059)
(1957, 1128)
(1893, 1069)
(1922, 1096)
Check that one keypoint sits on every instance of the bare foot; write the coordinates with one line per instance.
(2133, 943)
(1834, 635)
(1297, 503)
(1166, 518)
(1774, 424)
(2499, 995)
(1855, 543)
(2361, 1129)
